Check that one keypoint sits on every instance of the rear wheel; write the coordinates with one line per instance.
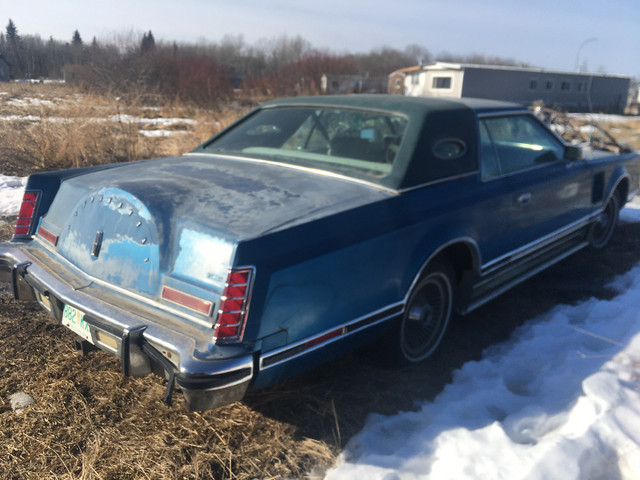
(601, 231)
(427, 314)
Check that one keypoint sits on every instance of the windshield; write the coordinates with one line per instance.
(360, 144)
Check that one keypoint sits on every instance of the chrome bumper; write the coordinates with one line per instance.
(140, 339)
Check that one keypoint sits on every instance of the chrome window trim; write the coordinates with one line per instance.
(439, 181)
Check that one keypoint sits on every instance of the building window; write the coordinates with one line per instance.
(441, 83)
(565, 85)
(548, 85)
(579, 86)
(533, 85)
(415, 79)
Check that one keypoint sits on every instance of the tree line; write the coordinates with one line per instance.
(203, 72)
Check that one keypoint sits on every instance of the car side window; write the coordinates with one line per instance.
(519, 142)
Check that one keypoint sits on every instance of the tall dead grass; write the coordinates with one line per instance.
(47, 127)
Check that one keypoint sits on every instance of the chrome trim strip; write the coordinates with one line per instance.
(536, 245)
(315, 171)
(440, 180)
(524, 277)
(299, 348)
(506, 113)
(466, 240)
(224, 386)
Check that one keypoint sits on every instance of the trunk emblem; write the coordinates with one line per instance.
(97, 243)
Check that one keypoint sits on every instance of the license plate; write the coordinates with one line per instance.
(74, 320)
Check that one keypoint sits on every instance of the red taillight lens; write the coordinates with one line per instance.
(185, 300)
(26, 216)
(47, 235)
(234, 305)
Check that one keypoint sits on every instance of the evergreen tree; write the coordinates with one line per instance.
(77, 48)
(14, 49)
(148, 43)
(12, 33)
(77, 39)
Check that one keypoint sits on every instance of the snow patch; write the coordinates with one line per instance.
(560, 399)
(11, 191)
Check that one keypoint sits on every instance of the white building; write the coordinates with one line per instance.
(565, 90)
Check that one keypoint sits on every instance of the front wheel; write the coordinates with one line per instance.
(601, 231)
(426, 315)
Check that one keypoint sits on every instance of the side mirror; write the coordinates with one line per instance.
(573, 153)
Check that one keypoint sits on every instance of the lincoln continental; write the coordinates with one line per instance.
(308, 228)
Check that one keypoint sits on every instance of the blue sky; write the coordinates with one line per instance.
(545, 33)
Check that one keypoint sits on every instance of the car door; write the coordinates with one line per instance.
(548, 194)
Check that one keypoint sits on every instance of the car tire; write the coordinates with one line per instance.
(602, 229)
(427, 314)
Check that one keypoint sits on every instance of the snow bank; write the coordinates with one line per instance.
(560, 399)
(11, 189)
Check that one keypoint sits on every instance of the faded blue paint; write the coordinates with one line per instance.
(203, 258)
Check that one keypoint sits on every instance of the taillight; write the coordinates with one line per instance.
(185, 300)
(26, 217)
(234, 306)
(52, 238)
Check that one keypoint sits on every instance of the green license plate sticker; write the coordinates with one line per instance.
(74, 320)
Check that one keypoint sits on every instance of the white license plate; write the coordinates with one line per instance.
(74, 319)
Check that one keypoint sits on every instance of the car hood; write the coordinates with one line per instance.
(167, 215)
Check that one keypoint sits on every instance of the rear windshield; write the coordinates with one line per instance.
(360, 144)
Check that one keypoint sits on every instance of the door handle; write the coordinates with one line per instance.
(524, 199)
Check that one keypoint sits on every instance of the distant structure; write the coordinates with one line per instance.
(338, 84)
(397, 79)
(577, 92)
(5, 70)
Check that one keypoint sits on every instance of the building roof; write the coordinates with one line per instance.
(462, 66)
(415, 68)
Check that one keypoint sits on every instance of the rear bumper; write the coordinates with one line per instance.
(139, 337)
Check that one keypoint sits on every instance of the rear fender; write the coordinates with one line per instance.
(48, 183)
(619, 182)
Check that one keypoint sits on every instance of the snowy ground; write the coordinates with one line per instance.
(150, 127)
(10, 195)
(559, 400)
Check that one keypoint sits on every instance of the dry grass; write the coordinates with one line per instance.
(90, 422)
(52, 127)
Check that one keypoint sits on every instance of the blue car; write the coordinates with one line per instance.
(309, 228)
